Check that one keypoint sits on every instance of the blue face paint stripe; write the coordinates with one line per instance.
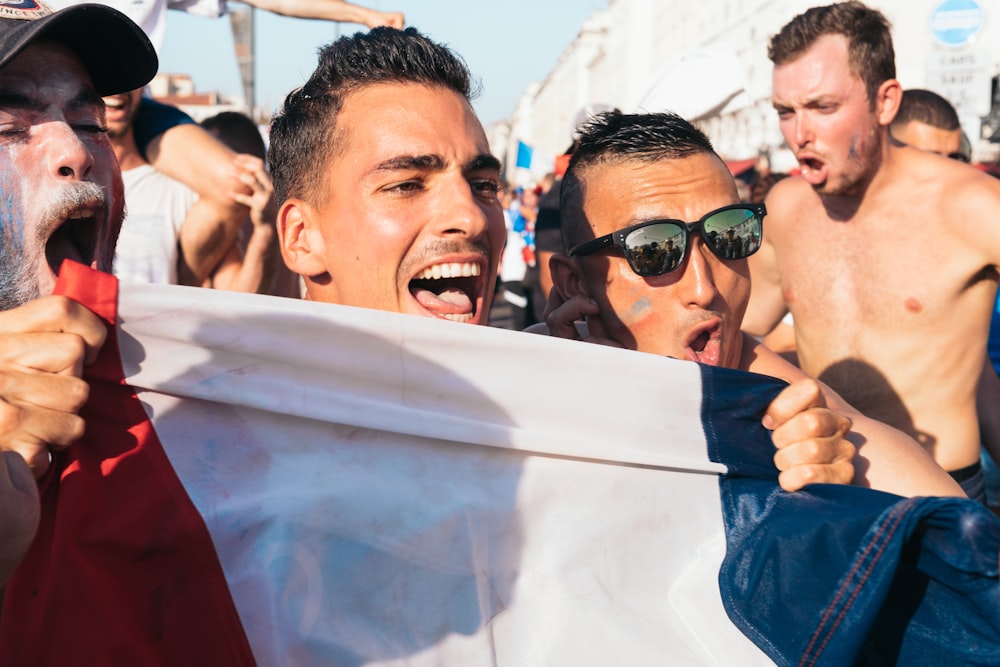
(16, 280)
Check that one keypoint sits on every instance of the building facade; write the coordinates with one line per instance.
(708, 62)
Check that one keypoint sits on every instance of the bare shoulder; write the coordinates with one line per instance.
(969, 197)
(757, 358)
(787, 198)
(950, 184)
(788, 203)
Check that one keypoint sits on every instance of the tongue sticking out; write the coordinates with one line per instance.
(449, 301)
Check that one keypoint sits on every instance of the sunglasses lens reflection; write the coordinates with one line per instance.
(656, 249)
(733, 234)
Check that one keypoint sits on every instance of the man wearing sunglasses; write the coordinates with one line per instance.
(886, 256)
(639, 184)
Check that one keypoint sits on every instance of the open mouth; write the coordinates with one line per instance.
(704, 343)
(74, 238)
(813, 170)
(449, 290)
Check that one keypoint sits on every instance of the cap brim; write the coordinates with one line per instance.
(113, 49)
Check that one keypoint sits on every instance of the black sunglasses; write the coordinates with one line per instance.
(656, 247)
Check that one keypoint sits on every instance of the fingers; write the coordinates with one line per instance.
(812, 449)
(78, 329)
(38, 412)
(47, 391)
(561, 316)
(260, 199)
(794, 399)
(796, 478)
(809, 437)
(19, 512)
(813, 423)
(44, 346)
(596, 333)
(390, 19)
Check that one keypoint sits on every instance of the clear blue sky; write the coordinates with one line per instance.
(506, 44)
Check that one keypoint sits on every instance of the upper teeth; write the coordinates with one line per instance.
(79, 213)
(453, 270)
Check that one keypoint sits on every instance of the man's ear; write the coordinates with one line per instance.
(887, 100)
(300, 242)
(566, 278)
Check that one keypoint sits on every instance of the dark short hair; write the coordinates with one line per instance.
(303, 133)
(238, 131)
(868, 33)
(613, 138)
(925, 106)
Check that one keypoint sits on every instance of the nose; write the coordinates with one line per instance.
(68, 157)
(461, 211)
(697, 283)
(801, 132)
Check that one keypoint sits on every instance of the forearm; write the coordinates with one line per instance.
(191, 155)
(254, 271)
(207, 234)
(889, 460)
(328, 10)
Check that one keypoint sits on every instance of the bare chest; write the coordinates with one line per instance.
(883, 276)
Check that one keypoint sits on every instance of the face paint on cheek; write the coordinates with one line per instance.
(854, 153)
(637, 312)
(11, 213)
(17, 284)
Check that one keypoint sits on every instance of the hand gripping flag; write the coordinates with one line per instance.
(274, 482)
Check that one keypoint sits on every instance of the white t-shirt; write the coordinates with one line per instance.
(512, 265)
(151, 15)
(147, 249)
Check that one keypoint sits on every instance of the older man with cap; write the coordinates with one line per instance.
(62, 200)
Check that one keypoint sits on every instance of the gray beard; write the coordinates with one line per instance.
(19, 276)
(18, 285)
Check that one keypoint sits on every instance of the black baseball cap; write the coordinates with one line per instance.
(113, 49)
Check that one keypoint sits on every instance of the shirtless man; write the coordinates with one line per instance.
(389, 202)
(409, 221)
(883, 253)
(929, 122)
(629, 174)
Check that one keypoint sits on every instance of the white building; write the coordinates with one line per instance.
(708, 62)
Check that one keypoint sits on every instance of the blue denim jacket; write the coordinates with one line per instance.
(838, 575)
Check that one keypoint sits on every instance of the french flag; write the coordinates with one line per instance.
(276, 482)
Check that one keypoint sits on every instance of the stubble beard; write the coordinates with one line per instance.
(858, 172)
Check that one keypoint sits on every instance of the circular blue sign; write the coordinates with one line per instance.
(957, 22)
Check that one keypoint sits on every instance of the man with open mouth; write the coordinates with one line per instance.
(402, 212)
(388, 190)
(639, 188)
(885, 255)
(389, 201)
(62, 200)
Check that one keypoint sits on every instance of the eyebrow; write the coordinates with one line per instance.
(84, 98)
(436, 163)
(484, 161)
